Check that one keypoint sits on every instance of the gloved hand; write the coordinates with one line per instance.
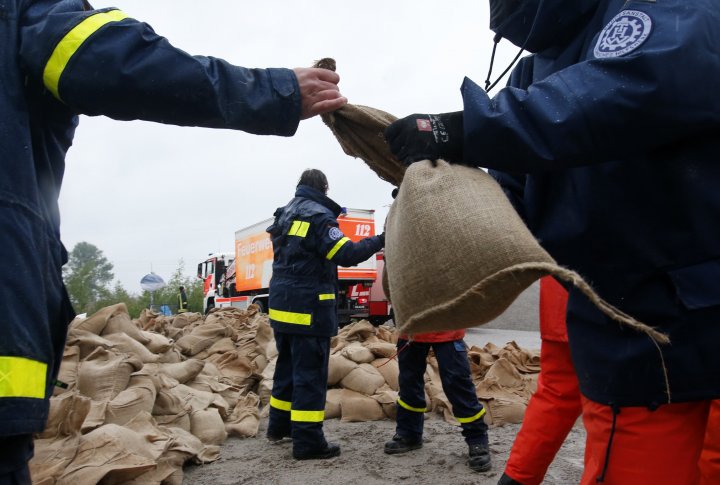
(422, 136)
(382, 238)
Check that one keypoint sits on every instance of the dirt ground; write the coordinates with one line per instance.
(442, 460)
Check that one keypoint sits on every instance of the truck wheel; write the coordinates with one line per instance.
(262, 305)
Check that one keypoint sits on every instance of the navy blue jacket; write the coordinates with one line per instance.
(59, 61)
(609, 146)
(308, 246)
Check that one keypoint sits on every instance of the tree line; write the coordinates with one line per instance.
(88, 276)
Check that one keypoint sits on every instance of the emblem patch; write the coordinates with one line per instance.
(335, 233)
(626, 32)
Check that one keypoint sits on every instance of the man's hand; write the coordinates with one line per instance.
(427, 137)
(319, 91)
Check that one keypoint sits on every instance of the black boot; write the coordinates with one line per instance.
(479, 457)
(273, 438)
(331, 450)
(398, 444)
(507, 480)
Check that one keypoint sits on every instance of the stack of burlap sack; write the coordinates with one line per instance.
(143, 397)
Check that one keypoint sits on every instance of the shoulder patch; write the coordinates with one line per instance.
(335, 233)
(623, 34)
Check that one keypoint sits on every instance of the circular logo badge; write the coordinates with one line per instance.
(626, 32)
(335, 233)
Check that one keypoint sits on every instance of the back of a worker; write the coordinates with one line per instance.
(308, 246)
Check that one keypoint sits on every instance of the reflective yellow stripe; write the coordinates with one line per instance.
(326, 296)
(337, 247)
(299, 228)
(72, 41)
(307, 416)
(410, 408)
(290, 317)
(21, 377)
(281, 405)
(472, 418)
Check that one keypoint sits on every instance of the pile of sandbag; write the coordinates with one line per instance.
(144, 397)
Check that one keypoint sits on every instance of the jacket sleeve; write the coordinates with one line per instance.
(102, 62)
(608, 108)
(338, 248)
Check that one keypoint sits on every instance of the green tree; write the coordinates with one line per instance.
(87, 276)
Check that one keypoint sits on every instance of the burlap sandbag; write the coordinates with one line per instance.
(332, 403)
(364, 379)
(96, 322)
(476, 250)
(120, 322)
(338, 368)
(137, 398)
(382, 349)
(103, 374)
(125, 343)
(358, 407)
(358, 353)
(244, 420)
(68, 370)
(390, 370)
(207, 425)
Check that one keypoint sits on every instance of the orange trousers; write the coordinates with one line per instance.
(660, 447)
(556, 405)
(710, 457)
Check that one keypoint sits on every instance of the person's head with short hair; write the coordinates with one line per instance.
(182, 288)
(314, 178)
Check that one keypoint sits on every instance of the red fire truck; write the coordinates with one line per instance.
(243, 278)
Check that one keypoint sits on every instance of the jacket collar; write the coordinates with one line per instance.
(315, 195)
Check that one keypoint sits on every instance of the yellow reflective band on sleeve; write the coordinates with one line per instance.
(337, 247)
(326, 296)
(290, 317)
(21, 377)
(472, 418)
(410, 408)
(72, 41)
(307, 416)
(299, 228)
(281, 405)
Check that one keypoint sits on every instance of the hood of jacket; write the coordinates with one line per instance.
(536, 25)
(315, 195)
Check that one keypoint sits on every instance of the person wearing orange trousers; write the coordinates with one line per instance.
(626, 459)
(556, 404)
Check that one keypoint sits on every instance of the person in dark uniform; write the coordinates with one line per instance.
(182, 300)
(308, 246)
(451, 354)
(62, 59)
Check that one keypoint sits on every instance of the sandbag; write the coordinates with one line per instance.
(51, 457)
(364, 379)
(103, 374)
(137, 398)
(358, 407)
(87, 342)
(125, 343)
(68, 369)
(390, 370)
(120, 322)
(382, 349)
(66, 415)
(181, 371)
(332, 403)
(157, 344)
(245, 418)
(338, 367)
(96, 322)
(207, 425)
(358, 353)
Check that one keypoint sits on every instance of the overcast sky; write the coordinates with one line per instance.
(149, 195)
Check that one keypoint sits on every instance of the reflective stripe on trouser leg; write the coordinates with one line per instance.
(310, 356)
(460, 390)
(412, 363)
(282, 391)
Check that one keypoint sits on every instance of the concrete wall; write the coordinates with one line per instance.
(522, 314)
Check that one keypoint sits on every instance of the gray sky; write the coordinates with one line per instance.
(149, 195)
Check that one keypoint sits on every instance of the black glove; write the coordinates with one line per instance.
(394, 192)
(382, 238)
(427, 137)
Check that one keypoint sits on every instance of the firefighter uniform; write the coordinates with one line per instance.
(451, 354)
(61, 59)
(308, 246)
